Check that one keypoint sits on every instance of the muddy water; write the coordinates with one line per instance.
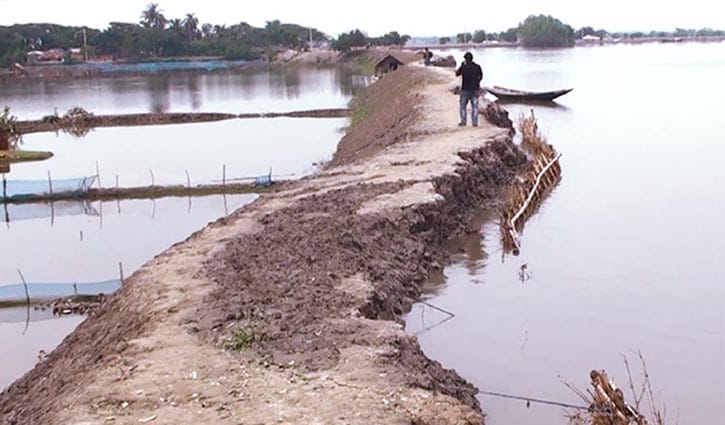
(624, 256)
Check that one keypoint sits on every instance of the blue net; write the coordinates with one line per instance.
(20, 189)
(45, 291)
(157, 67)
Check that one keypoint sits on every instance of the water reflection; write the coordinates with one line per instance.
(24, 343)
(277, 89)
(611, 264)
(130, 155)
(87, 243)
(159, 95)
(547, 104)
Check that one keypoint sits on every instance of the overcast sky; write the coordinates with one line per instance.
(377, 17)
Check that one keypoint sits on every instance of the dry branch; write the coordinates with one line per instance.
(532, 185)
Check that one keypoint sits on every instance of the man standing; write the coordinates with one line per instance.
(427, 56)
(470, 88)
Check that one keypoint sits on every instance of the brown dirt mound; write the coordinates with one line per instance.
(383, 114)
(282, 286)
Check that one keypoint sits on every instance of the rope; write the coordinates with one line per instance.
(438, 308)
(534, 400)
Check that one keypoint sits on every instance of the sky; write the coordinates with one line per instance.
(377, 17)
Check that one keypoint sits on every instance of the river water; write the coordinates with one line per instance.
(623, 257)
(58, 246)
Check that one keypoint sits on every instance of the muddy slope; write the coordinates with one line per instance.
(284, 286)
(288, 307)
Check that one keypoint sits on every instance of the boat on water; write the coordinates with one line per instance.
(512, 94)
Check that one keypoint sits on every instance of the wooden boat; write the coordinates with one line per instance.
(511, 94)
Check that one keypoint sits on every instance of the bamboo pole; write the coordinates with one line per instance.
(536, 185)
(50, 184)
(525, 208)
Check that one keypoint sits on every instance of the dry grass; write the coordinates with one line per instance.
(608, 405)
(531, 186)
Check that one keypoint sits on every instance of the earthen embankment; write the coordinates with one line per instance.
(288, 310)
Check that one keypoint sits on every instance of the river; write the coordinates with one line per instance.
(623, 257)
(55, 247)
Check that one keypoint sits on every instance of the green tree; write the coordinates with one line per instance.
(191, 26)
(511, 35)
(12, 47)
(392, 38)
(444, 40)
(345, 42)
(545, 31)
(153, 17)
(464, 37)
(479, 36)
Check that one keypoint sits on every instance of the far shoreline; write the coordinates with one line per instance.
(328, 58)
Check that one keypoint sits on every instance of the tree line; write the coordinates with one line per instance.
(156, 36)
(547, 31)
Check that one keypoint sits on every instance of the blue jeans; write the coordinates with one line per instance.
(472, 96)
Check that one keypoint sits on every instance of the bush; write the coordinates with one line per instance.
(545, 31)
(8, 133)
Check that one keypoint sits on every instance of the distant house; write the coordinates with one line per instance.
(591, 39)
(33, 56)
(51, 56)
(387, 64)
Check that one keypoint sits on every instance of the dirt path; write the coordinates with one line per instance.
(288, 310)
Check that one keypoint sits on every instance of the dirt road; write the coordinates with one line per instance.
(288, 311)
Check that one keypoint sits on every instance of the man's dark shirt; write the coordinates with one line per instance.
(472, 76)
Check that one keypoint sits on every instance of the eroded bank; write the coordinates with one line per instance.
(289, 309)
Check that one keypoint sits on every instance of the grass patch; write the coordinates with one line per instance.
(8, 157)
(243, 339)
(359, 114)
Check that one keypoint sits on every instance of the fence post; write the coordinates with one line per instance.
(50, 184)
(120, 271)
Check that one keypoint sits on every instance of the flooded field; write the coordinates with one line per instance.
(82, 245)
(623, 257)
(163, 155)
(75, 245)
(276, 90)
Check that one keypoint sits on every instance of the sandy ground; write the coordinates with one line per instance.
(288, 310)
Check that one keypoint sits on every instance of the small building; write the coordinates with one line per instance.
(52, 56)
(33, 56)
(387, 64)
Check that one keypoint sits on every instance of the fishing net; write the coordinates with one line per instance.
(40, 291)
(20, 189)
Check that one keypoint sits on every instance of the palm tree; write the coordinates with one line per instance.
(153, 17)
(176, 25)
(191, 25)
(207, 30)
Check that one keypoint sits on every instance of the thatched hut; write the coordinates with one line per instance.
(387, 63)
